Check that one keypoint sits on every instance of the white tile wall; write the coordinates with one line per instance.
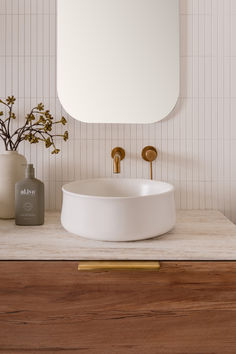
(197, 141)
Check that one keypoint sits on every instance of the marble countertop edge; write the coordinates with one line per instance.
(199, 235)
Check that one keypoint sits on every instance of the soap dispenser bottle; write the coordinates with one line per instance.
(29, 199)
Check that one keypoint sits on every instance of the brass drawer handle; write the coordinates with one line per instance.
(118, 265)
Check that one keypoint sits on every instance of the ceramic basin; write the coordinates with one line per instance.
(118, 209)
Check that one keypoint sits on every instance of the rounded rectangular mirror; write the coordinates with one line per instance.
(118, 60)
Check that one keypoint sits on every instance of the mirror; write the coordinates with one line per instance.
(118, 60)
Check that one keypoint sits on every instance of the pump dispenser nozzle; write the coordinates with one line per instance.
(29, 172)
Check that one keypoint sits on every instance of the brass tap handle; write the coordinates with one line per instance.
(149, 153)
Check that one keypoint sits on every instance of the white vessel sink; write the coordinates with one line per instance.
(118, 209)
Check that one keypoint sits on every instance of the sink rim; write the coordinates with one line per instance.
(170, 189)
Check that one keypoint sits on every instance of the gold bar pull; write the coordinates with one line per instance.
(118, 265)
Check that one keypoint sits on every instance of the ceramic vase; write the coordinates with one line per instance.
(12, 169)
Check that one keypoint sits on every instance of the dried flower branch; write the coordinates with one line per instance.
(38, 127)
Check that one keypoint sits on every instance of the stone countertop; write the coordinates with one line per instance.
(198, 235)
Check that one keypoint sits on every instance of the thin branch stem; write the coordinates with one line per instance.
(38, 129)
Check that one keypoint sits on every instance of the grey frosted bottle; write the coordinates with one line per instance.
(29, 199)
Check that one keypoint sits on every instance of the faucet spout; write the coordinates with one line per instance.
(116, 163)
(117, 154)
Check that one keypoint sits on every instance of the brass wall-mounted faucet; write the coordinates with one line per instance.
(117, 154)
(149, 153)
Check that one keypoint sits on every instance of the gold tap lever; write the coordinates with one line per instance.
(117, 154)
(149, 153)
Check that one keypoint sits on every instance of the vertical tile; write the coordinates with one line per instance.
(2, 7)
(27, 34)
(2, 76)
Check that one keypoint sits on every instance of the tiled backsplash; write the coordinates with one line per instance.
(196, 142)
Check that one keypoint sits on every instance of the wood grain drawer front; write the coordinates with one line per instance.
(185, 308)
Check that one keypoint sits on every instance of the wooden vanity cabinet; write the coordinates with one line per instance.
(51, 307)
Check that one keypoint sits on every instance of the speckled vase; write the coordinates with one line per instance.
(12, 170)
